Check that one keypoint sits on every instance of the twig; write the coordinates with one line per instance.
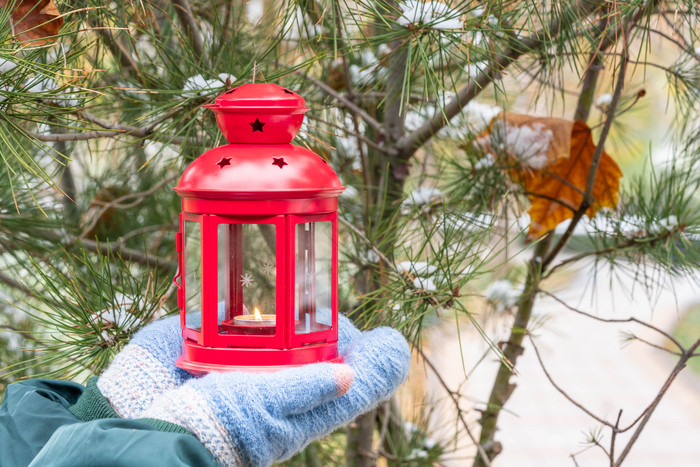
(563, 392)
(25, 335)
(354, 134)
(455, 400)
(650, 410)
(613, 438)
(595, 162)
(352, 107)
(367, 241)
(613, 320)
(116, 203)
(136, 256)
(186, 17)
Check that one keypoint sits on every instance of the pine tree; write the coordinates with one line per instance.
(100, 111)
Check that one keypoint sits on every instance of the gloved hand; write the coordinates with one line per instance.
(254, 419)
(145, 368)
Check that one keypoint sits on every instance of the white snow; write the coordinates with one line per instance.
(436, 15)
(417, 454)
(383, 50)
(422, 196)
(469, 221)
(527, 143)
(409, 429)
(502, 295)
(429, 443)
(697, 51)
(664, 225)
(420, 268)
(477, 12)
(424, 283)
(474, 69)
(487, 161)
(198, 84)
(479, 115)
(604, 99)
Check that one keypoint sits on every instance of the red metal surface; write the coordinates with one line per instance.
(250, 173)
(259, 113)
(269, 182)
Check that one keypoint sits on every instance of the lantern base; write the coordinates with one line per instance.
(199, 360)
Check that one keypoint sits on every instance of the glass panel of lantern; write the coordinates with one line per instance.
(247, 279)
(193, 274)
(313, 286)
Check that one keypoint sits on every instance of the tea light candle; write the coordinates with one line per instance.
(256, 319)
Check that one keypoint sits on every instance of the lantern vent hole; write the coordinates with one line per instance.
(224, 162)
(279, 162)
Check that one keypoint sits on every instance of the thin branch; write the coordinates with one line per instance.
(631, 319)
(455, 400)
(352, 133)
(117, 203)
(367, 241)
(352, 107)
(650, 410)
(25, 335)
(7, 280)
(587, 200)
(562, 391)
(613, 438)
(136, 256)
(186, 17)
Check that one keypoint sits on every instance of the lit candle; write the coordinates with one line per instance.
(256, 319)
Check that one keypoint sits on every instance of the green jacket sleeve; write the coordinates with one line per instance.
(39, 425)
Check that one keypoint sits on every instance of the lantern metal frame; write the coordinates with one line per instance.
(211, 200)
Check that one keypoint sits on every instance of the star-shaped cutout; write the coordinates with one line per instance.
(257, 125)
(279, 162)
(224, 162)
(246, 280)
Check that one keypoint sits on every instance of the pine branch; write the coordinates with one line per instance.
(409, 143)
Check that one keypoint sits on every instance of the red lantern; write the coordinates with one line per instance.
(258, 242)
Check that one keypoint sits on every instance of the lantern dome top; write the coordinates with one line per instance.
(259, 171)
(259, 113)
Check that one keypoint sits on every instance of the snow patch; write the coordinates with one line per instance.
(604, 99)
(527, 143)
(436, 15)
(422, 196)
(484, 162)
(502, 295)
(420, 268)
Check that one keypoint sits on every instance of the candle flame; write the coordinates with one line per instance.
(258, 316)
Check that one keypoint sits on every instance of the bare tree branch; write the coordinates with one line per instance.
(186, 17)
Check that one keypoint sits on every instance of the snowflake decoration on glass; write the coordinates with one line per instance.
(310, 276)
(246, 280)
(268, 268)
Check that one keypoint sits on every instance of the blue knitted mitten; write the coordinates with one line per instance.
(145, 368)
(255, 419)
